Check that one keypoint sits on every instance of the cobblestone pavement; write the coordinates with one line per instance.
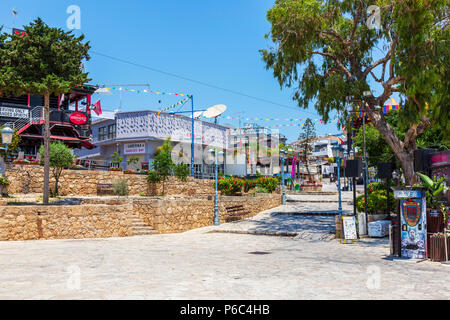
(305, 218)
(203, 265)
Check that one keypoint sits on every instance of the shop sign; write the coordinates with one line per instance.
(134, 148)
(78, 118)
(13, 112)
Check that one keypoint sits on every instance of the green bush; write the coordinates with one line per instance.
(376, 201)
(230, 186)
(153, 176)
(262, 190)
(120, 187)
(249, 184)
(4, 182)
(268, 183)
(181, 171)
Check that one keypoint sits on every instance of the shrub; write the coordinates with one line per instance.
(376, 201)
(4, 181)
(230, 186)
(60, 157)
(375, 186)
(120, 188)
(153, 176)
(181, 171)
(249, 184)
(268, 183)
(262, 190)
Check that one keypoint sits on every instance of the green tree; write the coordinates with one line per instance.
(181, 171)
(47, 61)
(377, 149)
(116, 159)
(306, 138)
(326, 51)
(60, 157)
(163, 163)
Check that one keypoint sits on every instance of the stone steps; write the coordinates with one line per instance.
(140, 228)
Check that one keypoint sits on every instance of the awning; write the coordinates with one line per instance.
(83, 143)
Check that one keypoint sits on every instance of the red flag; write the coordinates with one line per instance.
(98, 108)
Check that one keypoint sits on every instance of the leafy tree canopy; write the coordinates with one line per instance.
(326, 52)
(46, 61)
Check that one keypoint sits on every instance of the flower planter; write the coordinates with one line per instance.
(115, 169)
(437, 247)
(128, 172)
(435, 221)
(27, 163)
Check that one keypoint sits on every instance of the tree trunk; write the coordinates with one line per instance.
(404, 155)
(46, 146)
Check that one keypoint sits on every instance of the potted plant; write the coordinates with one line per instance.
(434, 188)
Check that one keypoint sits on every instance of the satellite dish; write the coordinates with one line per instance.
(103, 91)
(197, 114)
(215, 111)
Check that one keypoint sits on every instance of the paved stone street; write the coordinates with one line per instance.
(202, 265)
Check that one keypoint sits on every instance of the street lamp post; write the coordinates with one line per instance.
(7, 135)
(283, 197)
(337, 154)
(366, 94)
(216, 197)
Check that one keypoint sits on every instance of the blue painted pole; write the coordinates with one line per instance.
(283, 199)
(192, 140)
(216, 201)
(339, 185)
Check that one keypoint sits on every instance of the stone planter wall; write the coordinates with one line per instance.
(30, 179)
(172, 215)
(64, 222)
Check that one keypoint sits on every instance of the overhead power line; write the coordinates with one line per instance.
(200, 82)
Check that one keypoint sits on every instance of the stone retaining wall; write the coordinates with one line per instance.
(64, 222)
(30, 179)
(181, 214)
(111, 217)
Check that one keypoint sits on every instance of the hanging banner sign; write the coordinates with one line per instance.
(134, 148)
(78, 118)
(14, 112)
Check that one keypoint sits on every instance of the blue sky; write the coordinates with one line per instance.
(215, 42)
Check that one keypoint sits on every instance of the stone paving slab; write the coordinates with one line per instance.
(307, 221)
(198, 265)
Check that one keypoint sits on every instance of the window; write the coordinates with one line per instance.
(101, 133)
(112, 131)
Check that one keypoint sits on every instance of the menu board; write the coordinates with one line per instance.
(349, 227)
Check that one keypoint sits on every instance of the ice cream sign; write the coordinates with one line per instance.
(134, 148)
